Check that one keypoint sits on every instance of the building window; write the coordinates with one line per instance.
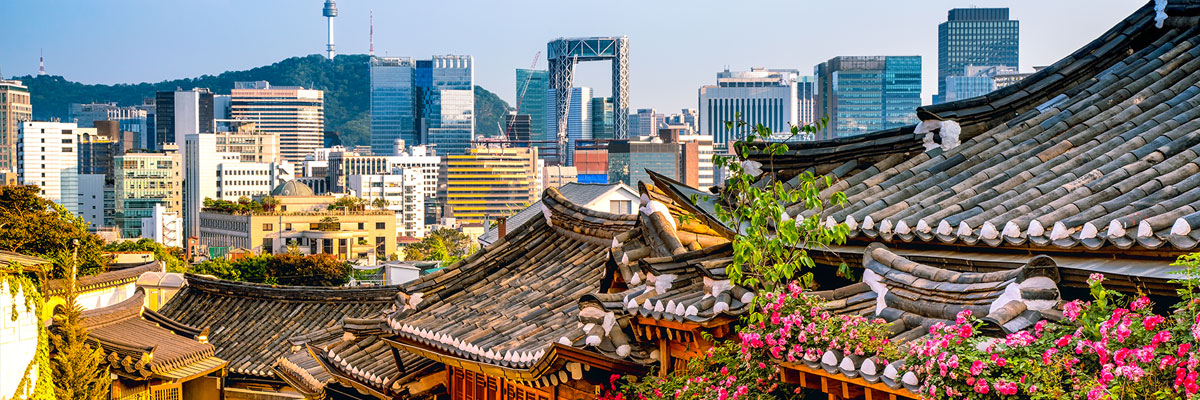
(314, 227)
(267, 246)
(380, 247)
(268, 227)
(380, 225)
(620, 206)
(287, 227)
(361, 226)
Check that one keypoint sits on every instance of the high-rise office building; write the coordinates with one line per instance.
(179, 113)
(446, 88)
(602, 118)
(144, 180)
(15, 108)
(295, 114)
(975, 36)
(861, 94)
(517, 128)
(645, 122)
(806, 100)
(392, 103)
(760, 96)
(96, 153)
(48, 157)
(430, 102)
(487, 183)
(579, 120)
(132, 119)
(534, 85)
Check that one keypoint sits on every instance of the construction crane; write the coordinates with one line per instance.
(521, 95)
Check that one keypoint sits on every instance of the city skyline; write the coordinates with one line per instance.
(659, 35)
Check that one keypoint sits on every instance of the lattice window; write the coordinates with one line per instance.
(167, 392)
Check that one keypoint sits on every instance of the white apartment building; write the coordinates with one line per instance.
(404, 192)
(48, 157)
(163, 227)
(210, 174)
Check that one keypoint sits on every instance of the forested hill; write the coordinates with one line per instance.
(345, 81)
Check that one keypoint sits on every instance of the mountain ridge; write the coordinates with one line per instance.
(345, 80)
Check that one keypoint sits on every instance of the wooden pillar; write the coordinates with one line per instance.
(664, 357)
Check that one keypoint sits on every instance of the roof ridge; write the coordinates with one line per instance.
(321, 294)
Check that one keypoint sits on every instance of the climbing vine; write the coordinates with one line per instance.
(20, 282)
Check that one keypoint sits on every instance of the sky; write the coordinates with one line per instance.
(675, 46)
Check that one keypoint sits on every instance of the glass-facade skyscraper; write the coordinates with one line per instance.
(867, 94)
(602, 118)
(446, 87)
(430, 102)
(392, 103)
(534, 84)
(975, 36)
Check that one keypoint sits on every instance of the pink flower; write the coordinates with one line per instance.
(1096, 392)
(977, 367)
(1152, 321)
(1050, 352)
(1071, 310)
(981, 386)
(1140, 303)
(1063, 341)
(962, 316)
(1095, 278)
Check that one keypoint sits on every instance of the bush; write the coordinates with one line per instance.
(283, 269)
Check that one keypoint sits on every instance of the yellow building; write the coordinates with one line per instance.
(244, 138)
(304, 220)
(14, 109)
(487, 183)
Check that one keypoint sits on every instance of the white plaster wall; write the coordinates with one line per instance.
(106, 297)
(18, 341)
(602, 203)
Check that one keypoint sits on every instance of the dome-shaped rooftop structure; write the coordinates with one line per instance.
(292, 188)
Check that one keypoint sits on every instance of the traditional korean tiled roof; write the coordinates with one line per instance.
(914, 297)
(104, 280)
(250, 324)
(506, 305)
(143, 344)
(1110, 161)
(354, 355)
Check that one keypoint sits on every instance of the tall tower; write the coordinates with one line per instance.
(371, 50)
(329, 12)
(41, 64)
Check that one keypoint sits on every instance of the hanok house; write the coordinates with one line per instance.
(264, 331)
(1004, 204)
(152, 356)
(550, 310)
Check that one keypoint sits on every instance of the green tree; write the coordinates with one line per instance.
(78, 368)
(380, 203)
(171, 257)
(445, 245)
(314, 270)
(30, 224)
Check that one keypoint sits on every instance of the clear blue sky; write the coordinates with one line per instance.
(676, 46)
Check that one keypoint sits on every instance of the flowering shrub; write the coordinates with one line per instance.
(1100, 350)
(747, 368)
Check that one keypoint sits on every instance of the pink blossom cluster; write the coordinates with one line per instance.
(798, 327)
(1098, 351)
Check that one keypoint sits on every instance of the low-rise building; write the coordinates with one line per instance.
(304, 220)
(163, 226)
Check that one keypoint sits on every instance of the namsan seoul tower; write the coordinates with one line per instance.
(329, 12)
